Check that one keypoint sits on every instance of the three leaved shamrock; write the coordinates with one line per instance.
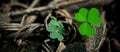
(56, 29)
(89, 18)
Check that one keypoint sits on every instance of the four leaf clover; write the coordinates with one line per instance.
(56, 29)
(88, 18)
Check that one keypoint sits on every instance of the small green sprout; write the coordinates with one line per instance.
(56, 29)
(88, 18)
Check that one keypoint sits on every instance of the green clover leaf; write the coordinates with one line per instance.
(56, 35)
(53, 35)
(82, 15)
(53, 21)
(56, 29)
(86, 29)
(93, 17)
(95, 20)
(83, 12)
(51, 28)
(93, 12)
(60, 37)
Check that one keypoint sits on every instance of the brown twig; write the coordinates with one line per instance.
(45, 41)
(30, 19)
(25, 27)
(116, 42)
(31, 6)
(10, 5)
(66, 14)
(61, 47)
(46, 46)
(23, 20)
(53, 4)
(34, 3)
(46, 19)
(103, 32)
(10, 26)
(74, 35)
(62, 4)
